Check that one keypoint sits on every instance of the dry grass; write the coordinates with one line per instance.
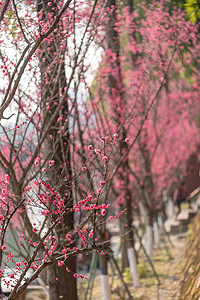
(169, 272)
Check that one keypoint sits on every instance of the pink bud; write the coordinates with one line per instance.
(60, 263)
(97, 151)
(68, 236)
(104, 159)
(115, 136)
(103, 212)
(37, 161)
(51, 163)
(127, 140)
(99, 191)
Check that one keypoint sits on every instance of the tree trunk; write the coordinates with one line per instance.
(149, 236)
(106, 294)
(156, 234)
(124, 245)
(22, 296)
(104, 238)
(67, 283)
(62, 284)
(117, 86)
(53, 284)
(130, 244)
(170, 208)
(133, 266)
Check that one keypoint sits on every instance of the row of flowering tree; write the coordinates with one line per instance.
(143, 93)
(68, 149)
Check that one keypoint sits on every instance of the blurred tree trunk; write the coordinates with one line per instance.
(116, 85)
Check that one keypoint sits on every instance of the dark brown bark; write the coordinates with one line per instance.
(22, 296)
(151, 217)
(58, 149)
(104, 264)
(124, 245)
(53, 284)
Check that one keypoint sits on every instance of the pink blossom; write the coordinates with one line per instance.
(51, 163)
(64, 250)
(127, 140)
(103, 212)
(37, 161)
(115, 136)
(90, 147)
(99, 191)
(104, 159)
(102, 183)
(84, 168)
(7, 178)
(45, 212)
(28, 188)
(59, 119)
(3, 191)
(60, 263)
(91, 234)
(97, 151)
(35, 182)
(68, 236)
